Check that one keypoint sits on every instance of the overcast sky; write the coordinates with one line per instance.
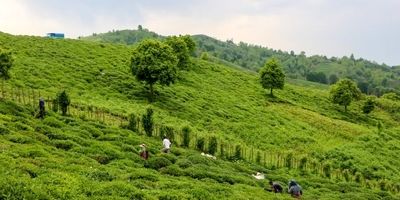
(367, 28)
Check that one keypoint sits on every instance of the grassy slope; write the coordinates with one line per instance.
(213, 99)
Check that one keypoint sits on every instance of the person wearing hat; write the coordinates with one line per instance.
(143, 152)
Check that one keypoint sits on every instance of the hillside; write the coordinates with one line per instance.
(371, 77)
(212, 99)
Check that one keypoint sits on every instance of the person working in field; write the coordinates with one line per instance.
(143, 152)
(41, 108)
(295, 189)
(275, 187)
(166, 145)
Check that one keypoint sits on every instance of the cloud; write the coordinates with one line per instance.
(366, 28)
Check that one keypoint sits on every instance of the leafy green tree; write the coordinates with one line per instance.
(148, 122)
(181, 51)
(344, 92)
(154, 62)
(369, 105)
(63, 101)
(6, 62)
(272, 76)
(191, 45)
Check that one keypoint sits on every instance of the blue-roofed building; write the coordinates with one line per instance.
(55, 35)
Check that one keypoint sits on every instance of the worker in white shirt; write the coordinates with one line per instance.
(166, 145)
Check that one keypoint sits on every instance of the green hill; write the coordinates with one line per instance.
(371, 77)
(69, 157)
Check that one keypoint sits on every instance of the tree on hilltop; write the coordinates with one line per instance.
(344, 92)
(154, 62)
(272, 76)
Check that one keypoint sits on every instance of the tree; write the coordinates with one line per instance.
(63, 101)
(319, 77)
(333, 78)
(369, 105)
(344, 92)
(148, 123)
(6, 62)
(154, 62)
(181, 51)
(272, 76)
(191, 45)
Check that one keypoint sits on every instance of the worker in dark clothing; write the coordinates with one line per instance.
(41, 108)
(275, 187)
(295, 189)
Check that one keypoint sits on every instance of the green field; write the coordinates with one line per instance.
(75, 158)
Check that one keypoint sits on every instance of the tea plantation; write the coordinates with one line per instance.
(345, 154)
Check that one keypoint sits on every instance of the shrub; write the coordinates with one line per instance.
(172, 170)
(258, 158)
(53, 122)
(63, 101)
(184, 163)
(170, 157)
(157, 163)
(94, 132)
(168, 132)
(288, 160)
(212, 145)
(20, 139)
(101, 176)
(4, 130)
(148, 123)
(222, 150)
(200, 144)
(22, 127)
(133, 122)
(55, 105)
(102, 159)
(63, 144)
(368, 106)
(186, 136)
(198, 159)
(238, 152)
(143, 175)
(303, 163)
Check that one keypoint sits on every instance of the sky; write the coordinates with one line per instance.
(367, 28)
